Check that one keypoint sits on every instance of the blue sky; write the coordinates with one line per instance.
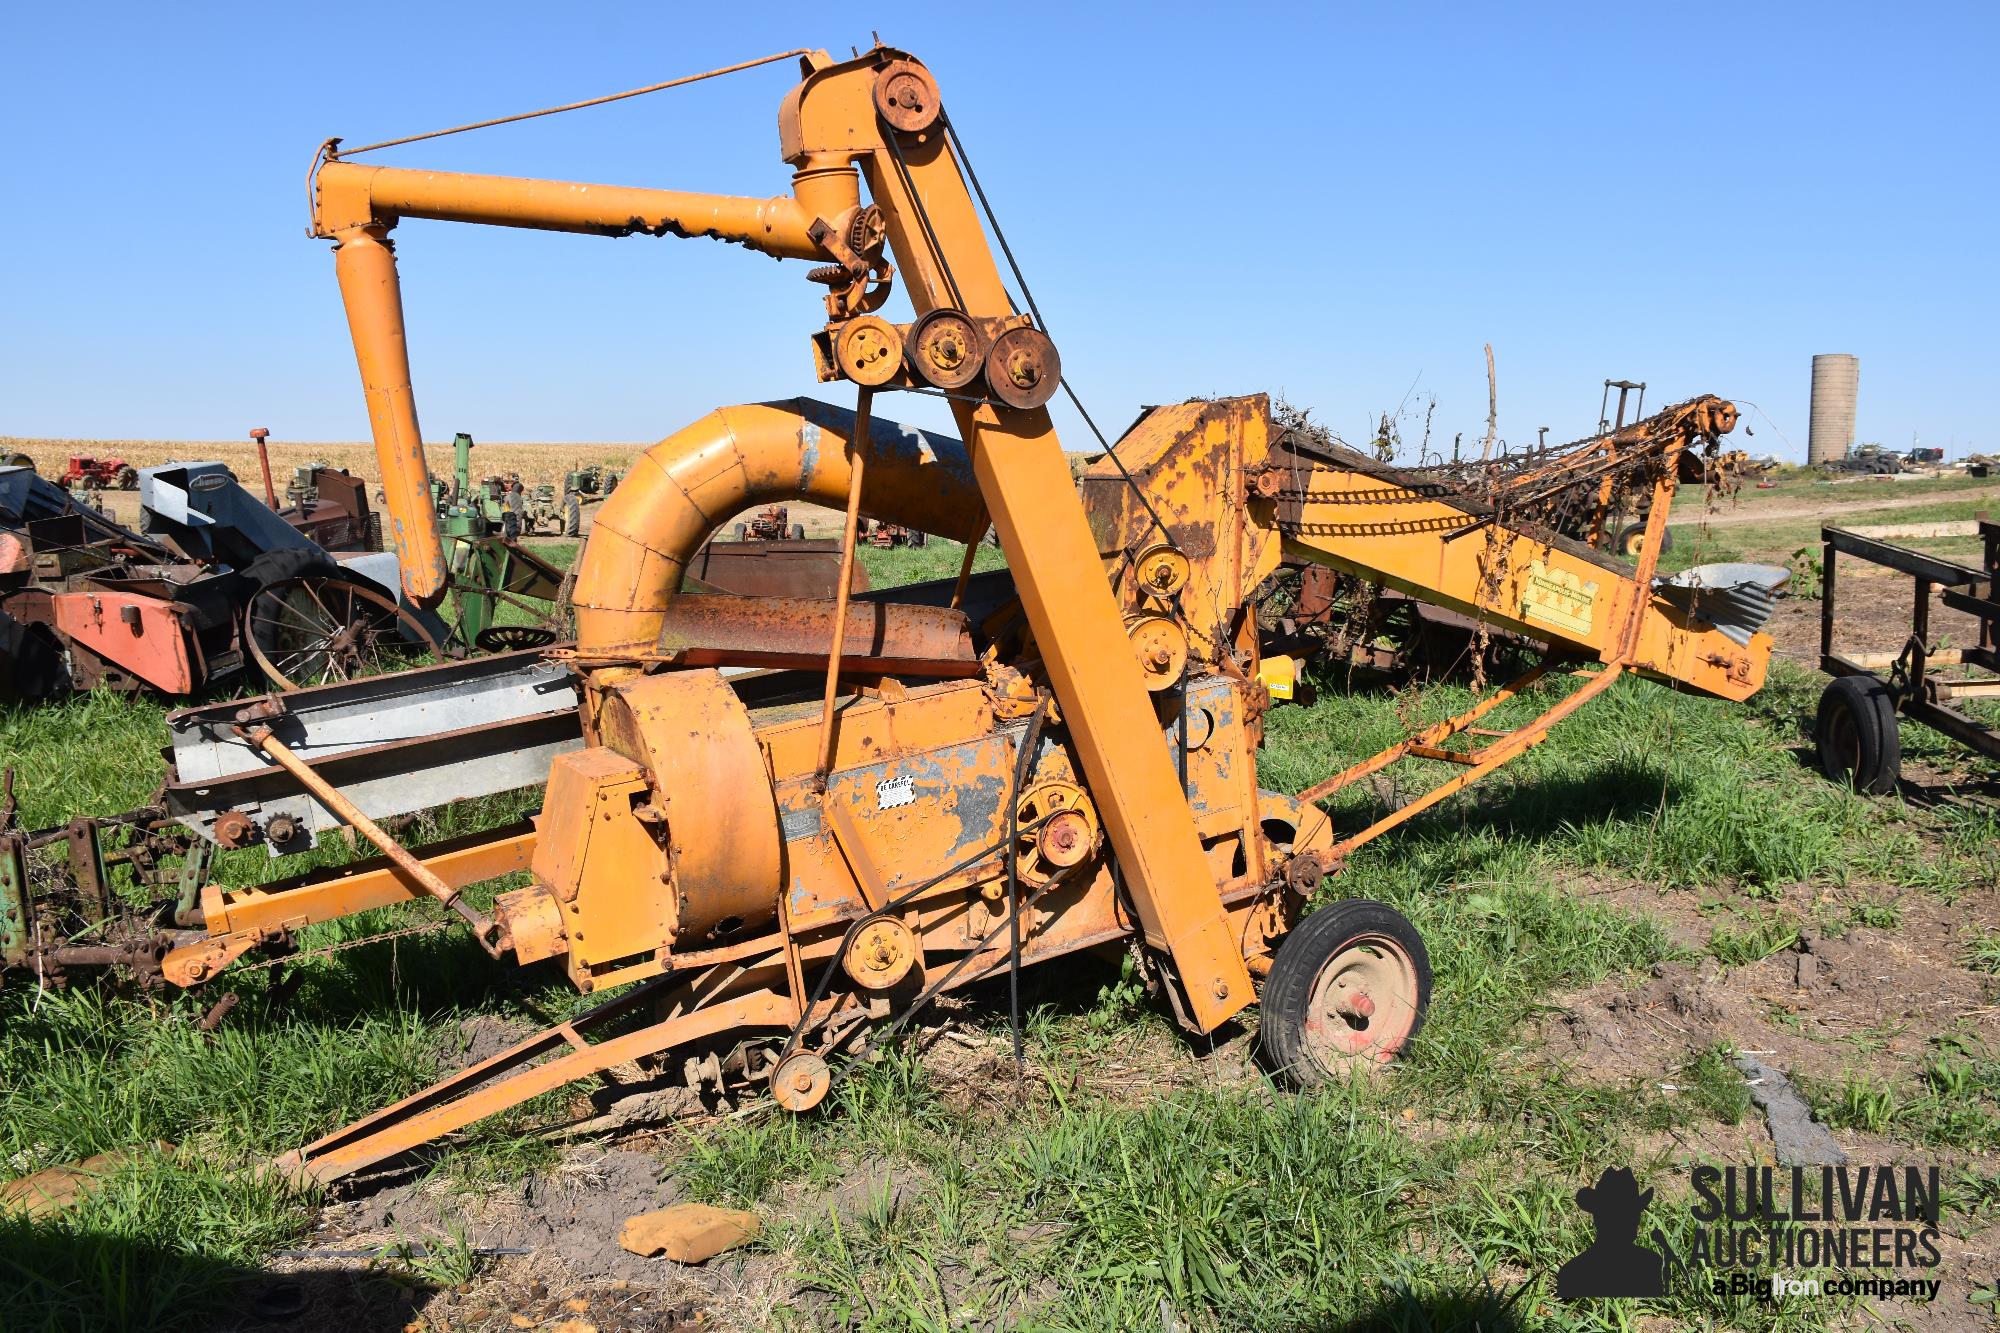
(1337, 203)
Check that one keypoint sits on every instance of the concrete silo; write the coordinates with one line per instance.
(1836, 377)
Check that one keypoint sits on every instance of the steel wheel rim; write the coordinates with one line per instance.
(1363, 1005)
(320, 631)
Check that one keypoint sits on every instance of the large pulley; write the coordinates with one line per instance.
(946, 349)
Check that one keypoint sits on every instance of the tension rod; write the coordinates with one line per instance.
(483, 927)
(857, 448)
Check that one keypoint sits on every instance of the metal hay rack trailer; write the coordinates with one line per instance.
(1856, 728)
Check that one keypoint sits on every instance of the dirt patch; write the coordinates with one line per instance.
(567, 1221)
(480, 1037)
(1874, 617)
(1869, 1001)
(1867, 998)
(571, 1214)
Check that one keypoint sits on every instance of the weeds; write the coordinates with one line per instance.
(1736, 948)
(1955, 1103)
(1983, 954)
(1712, 1084)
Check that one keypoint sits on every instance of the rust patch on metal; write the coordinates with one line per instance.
(798, 632)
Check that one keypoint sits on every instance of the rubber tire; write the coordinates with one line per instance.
(572, 517)
(1313, 943)
(798, 532)
(743, 535)
(1628, 539)
(288, 563)
(1864, 705)
(371, 535)
(920, 539)
(510, 526)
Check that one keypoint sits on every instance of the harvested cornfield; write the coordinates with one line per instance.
(535, 462)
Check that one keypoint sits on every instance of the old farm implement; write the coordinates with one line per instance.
(1856, 727)
(217, 588)
(777, 827)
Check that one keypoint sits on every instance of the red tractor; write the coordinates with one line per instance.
(110, 474)
(770, 524)
(887, 536)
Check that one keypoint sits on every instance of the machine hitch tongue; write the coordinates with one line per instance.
(254, 725)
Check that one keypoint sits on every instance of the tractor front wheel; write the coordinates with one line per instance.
(1348, 990)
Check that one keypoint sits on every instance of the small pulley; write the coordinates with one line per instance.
(881, 954)
(907, 97)
(1162, 570)
(801, 1081)
(946, 349)
(1161, 647)
(868, 350)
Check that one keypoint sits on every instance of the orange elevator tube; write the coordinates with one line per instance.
(691, 483)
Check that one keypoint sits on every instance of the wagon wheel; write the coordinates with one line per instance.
(316, 629)
(513, 638)
(1856, 735)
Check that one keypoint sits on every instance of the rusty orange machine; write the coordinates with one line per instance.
(785, 824)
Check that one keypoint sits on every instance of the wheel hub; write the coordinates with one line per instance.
(1364, 1004)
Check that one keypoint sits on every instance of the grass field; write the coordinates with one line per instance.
(1134, 1178)
(1780, 536)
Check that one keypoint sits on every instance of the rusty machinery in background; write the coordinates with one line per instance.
(326, 503)
(772, 523)
(786, 824)
(215, 589)
(106, 474)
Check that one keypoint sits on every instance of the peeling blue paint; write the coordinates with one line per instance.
(887, 438)
(808, 455)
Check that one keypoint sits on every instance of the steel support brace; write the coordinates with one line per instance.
(514, 1076)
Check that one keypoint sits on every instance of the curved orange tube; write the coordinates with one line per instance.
(691, 483)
